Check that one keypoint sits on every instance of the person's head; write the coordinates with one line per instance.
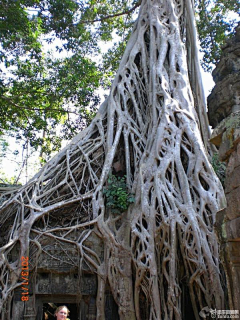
(61, 313)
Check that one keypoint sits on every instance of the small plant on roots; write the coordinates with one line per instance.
(117, 195)
(219, 167)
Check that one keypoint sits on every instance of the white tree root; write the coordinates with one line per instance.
(150, 129)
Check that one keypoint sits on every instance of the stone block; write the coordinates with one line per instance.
(232, 267)
(220, 225)
(234, 160)
(234, 252)
(225, 150)
(232, 180)
(236, 136)
(237, 160)
(233, 204)
(229, 132)
(18, 310)
(217, 133)
(227, 129)
(55, 283)
(236, 287)
(233, 231)
(231, 164)
(88, 285)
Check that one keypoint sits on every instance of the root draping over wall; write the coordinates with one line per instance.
(148, 130)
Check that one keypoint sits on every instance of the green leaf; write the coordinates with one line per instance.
(117, 196)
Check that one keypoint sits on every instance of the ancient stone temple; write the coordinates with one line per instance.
(224, 115)
(57, 281)
(65, 239)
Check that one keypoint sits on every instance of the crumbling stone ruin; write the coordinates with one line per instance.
(224, 116)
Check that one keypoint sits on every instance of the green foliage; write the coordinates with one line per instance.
(40, 95)
(219, 167)
(19, 33)
(52, 64)
(117, 194)
(3, 148)
(4, 180)
(214, 27)
(48, 97)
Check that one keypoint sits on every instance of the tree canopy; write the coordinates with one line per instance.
(54, 61)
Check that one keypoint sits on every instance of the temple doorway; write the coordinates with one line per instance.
(47, 304)
(50, 307)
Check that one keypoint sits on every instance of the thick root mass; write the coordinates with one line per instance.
(163, 247)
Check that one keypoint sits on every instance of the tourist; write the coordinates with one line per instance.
(62, 313)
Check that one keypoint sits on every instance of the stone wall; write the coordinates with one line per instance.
(59, 280)
(224, 116)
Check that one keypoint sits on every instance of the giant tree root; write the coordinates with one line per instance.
(147, 129)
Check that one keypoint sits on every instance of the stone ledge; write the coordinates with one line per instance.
(232, 180)
(227, 135)
(234, 161)
(223, 98)
(227, 230)
(233, 204)
(229, 63)
(233, 230)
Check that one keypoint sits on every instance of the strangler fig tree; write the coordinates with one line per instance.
(161, 258)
